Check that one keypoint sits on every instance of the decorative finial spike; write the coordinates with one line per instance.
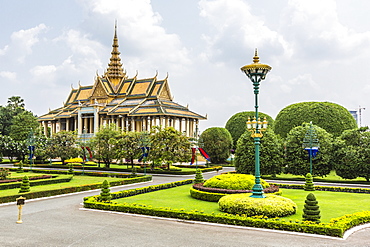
(256, 58)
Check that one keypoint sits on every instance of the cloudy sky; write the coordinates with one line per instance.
(319, 50)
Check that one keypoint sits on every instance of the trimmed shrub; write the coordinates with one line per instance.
(233, 182)
(217, 142)
(4, 173)
(198, 177)
(237, 124)
(329, 116)
(20, 167)
(271, 158)
(311, 211)
(297, 159)
(309, 186)
(271, 206)
(25, 187)
(105, 195)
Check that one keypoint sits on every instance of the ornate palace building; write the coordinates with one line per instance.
(132, 104)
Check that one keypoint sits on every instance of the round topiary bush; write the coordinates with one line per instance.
(237, 124)
(329, 116)
(232, 181)
(217, 142)
(271, 206)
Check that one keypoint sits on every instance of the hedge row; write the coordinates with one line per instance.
(325, 188)
(47, 193)
(140, 170)
(55, 180)
(271, 189)
(335, 229)
(95, 174)
(20, 179)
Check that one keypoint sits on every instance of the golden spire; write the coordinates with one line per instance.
(115, 70)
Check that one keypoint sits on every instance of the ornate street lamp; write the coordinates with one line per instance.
(256, 72)
(311, 144)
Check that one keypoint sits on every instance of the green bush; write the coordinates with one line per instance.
(217, 142)
(271, 206)
(105, 195)
(237, 124)
(309, 186)
(296, 160)
(198, 177)
(233, 182)
(329, 116)
(205, 196)
(25, 187)
(311, 211)
(271, 158)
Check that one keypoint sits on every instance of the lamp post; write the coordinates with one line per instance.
(256, 72)
(311, 144)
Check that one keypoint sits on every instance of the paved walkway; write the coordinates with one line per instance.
(61, 221)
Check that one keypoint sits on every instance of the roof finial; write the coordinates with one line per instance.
(256, 58)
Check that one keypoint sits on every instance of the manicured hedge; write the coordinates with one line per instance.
(140, 170)
(55, 180)
(47, 193)
(335, 228)
(325, 188)
(271, 206)
(233, 181)
(94, 174)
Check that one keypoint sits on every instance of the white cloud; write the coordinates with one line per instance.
(139, 28)
(235, 29)
(8, 75)
(314, 30)
(3, 51)
(24, 40)
(46, 70)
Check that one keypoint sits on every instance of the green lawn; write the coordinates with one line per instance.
(76, 181)
(332, 204)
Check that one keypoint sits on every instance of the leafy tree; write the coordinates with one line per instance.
(311, 210)
(63, 145)
(237, 124)
(129, 144)
(104, 143)
(15, 105)
(168, 146)
(329, 116)
(297, 159)
(352, 154)
(12, 148)
(22, 124)
(217, 142)
(271, 154)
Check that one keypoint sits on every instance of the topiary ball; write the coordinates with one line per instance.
(271, 206)
(233, 181)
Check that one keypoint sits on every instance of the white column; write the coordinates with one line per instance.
(79, 122)
(96, 120)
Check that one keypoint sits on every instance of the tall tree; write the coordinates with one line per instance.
(104, 143)
(271, 154)
(63, 145)
(22, 125)
(129, 144)
(15, 105)
(169, 146)
(296, 159)
(352, 154)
